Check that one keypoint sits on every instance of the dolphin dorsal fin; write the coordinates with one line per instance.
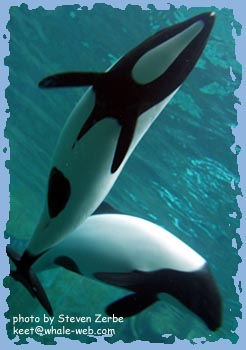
(70, 79)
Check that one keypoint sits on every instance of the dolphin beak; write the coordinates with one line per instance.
(171, 54)
(208, 18)
(200, 27)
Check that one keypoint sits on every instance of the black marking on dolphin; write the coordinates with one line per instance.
(131, 305)
(119, 96)
(58, 192)
(193, 289)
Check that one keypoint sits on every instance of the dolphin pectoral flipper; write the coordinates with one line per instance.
(130, 305)
(25, 275)
(70, 79)
(67, 263)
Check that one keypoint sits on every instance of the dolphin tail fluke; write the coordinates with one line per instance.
(25, 275)
(70, 79)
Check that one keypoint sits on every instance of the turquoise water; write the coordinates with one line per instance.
(182, 176)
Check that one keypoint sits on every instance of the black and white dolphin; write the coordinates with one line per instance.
(139, 256)
(104, 128)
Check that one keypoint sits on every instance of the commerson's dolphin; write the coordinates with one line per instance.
(137, 255)
(104, 128)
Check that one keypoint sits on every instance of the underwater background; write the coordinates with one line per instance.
(182, 176)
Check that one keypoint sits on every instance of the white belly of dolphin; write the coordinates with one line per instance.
(88, 170)
(122, 243)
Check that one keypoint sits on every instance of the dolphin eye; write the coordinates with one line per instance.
(58, 192)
